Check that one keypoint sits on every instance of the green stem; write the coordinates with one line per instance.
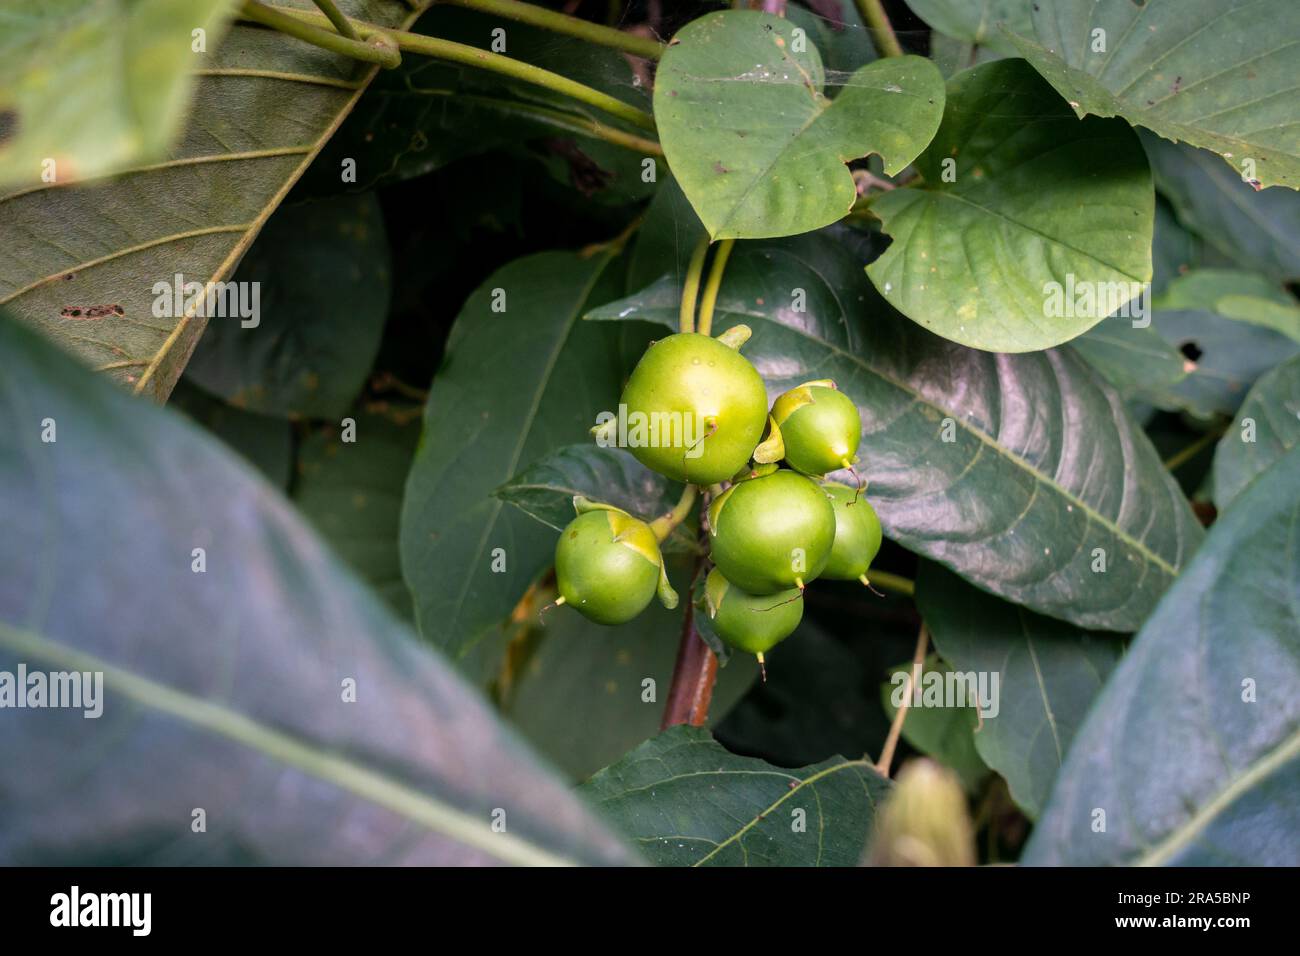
(691, 288)
(663, 526)
(1183, 456)
(711, 287)
(570, 26)
(372, 50)
(492, 62)
(340, 22)
(893, 583)
(568, 122)
(878, 25)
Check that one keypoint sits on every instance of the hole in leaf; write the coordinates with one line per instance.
(1191, 350)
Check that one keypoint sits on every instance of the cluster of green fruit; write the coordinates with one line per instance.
(774, 524)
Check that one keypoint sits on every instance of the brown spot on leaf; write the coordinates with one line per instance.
(92, 311)
(720, 169)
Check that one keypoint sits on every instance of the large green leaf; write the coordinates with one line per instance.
(324, 279)
(686, 801)
(838, 34)
(580, 695)
(753, 141)
(1267, 427)
(515, 384)
(1219, 74)
(226, 691)
(977, 22)
(1048, 671)
(1192, 751)
(1259, 231)
(351, 492)
(265, 104)
(1045, 472)
(1019, 198)
(93, 87)
(546, 488)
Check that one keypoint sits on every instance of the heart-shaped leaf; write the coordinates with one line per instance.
(1267, 427)
(1023, 473)
(753, 140)
(1219, 74)
(88, 88)
(686, 801)
(248, 681)
(1023, 210)
(1048, 674)
(546, 488)
(94, 266)
(1192, 751)
(1259, 231)
(521, 376)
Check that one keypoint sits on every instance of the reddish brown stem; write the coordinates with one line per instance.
(693, 676)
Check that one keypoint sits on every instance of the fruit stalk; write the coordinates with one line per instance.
(696, 668)
(710, 298)
(691, 287)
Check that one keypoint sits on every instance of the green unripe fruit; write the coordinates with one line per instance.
(820, 426)
(607, 565)
(857, 534)
(771, 533)
(754, 623)
(701, 407)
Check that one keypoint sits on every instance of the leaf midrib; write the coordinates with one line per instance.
(373, 785)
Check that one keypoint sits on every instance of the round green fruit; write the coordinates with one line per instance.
(771, 533)
(754, 623)
(820, 426)
(607, 566)
(701, 408)
(857, 534)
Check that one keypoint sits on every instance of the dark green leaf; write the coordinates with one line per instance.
(1243, 296)
(1267, 427)
(515, 384)
(1192, 751)
(1019, 199)
(754, 143)
(1259, 231)
(546, 488)
(1133, 358)
(351, 492)
(1218, 74)
(324, 280)
(1048, 674)
(688, 802)
(225, 690)
(580, 696)
(1044, 473)
(1229, 355)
